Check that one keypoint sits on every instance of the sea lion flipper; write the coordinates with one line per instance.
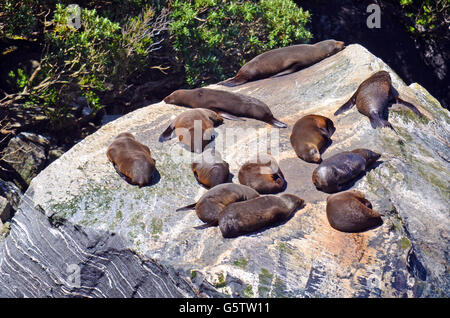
(187, 207)
(167, 134)
(231, 82)
(275, 122)
(349, 104)
(229, 116)
(287, 71)
(206, 225)
(377, 122)
(408, 105)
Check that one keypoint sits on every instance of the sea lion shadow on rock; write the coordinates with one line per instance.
(276, 224)
(156, 177)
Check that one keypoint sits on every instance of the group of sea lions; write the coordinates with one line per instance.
(251, 205)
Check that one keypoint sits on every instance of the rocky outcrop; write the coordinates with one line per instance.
(81, 230)
(25, 156)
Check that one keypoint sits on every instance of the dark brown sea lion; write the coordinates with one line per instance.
(372, 98)
(255, 214)
(215, 200)
(211, 170)
(262, 174)
(350, 212)
(227, 104)
(185, 125)
(131, 159)
(336, 171)
(284, 61)
(310, 135)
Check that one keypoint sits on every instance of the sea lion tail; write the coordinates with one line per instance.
(231, 82)
(277, 123)
(206, 225)
(229, 116)
(409, 105)
(167, 134)
(349, 104)
(187, 207)
(378, 122)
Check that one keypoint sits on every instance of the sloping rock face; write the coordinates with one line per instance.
(79, 217)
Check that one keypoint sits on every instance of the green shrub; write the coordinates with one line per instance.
(428, 18)
(94, 59)
(215, 38)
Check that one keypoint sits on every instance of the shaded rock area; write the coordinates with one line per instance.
(127, 241)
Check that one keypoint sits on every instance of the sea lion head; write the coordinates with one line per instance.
(125, 135)
(320, 178)
(368, 155)
(292, 202)
(142, 172)
(330, 47)
(178, 97)
(310, 153)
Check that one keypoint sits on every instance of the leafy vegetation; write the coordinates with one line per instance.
(118, 47)
(213, 39)
(429, 18)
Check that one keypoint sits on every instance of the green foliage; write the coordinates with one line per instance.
(91, 59)
(428, 17)
(18, 78)
(214, 38)
(19, 18)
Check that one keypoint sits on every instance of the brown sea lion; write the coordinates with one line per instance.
(255, 214)
(372, 98)
(131, 159)
(336, 171)
(283, 61)
(310, 135)
(350, 212)
(184, 126)
(215, 200)
(211, 170)
(262, 174)
(227, 104)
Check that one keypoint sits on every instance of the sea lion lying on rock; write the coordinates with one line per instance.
(336, 171)
(310, 135)
(227, 104)
(258, 213)
(211, 170)
(283, 61)
(373, 97)
(131, 159)
(350, 212)
(215, 200)
(262, 174)
(189, 122)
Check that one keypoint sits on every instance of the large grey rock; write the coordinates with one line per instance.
(9, 199)
(128, 241)
(26, 155)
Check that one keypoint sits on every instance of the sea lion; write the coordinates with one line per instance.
(214, 201)
(255, 214)
(334, 172)
(373, 97)
(227, 104)
(283, 61)
(310, 135)
(262, 174)
(211, 170)
(350, 212)
(184, 126)
(131, 159)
